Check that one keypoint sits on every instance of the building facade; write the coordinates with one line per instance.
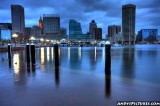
(97, 32)
(51, 24)
(28, 31)
(149, 35)
(5, 31)
(18, 21)
(92, 26)
(75, 32)
(74, 27)
(113, 30)
(36, 31)
(128, 23)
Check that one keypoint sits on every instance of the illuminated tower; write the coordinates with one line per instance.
(40, 23)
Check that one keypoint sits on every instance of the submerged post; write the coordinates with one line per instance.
(108, 59)
(33, 54)
(28, 54)
(56, 56)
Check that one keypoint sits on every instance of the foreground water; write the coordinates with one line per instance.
(80, 79)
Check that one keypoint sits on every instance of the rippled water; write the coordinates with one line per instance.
(80, 79)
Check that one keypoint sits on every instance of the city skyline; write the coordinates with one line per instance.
(104, 12)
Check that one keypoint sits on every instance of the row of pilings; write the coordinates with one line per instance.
(30, 57)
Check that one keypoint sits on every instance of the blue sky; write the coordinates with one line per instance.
(104, 12)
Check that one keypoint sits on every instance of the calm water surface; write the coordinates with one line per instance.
(80, 80)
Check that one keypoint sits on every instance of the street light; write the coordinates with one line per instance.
(15, 36)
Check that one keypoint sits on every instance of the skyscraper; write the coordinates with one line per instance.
(51, 24)
(74, 27)
(75, 32)
(18, 21)
(92, 26)
(128, 23)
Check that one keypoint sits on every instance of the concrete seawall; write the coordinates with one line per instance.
(5, 49)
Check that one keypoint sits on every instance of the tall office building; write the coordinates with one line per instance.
(74, 27)
(75, 32)
(128, 23)
(113, 30)
(92, 26)
(18, 21)
(51, 24)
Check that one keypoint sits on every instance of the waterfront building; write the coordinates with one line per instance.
(28, 31)
(5, 31)
(63, 31)
(97, 32)
(36, 31)
(74, 27)
(92, 26)
(113, 31)
(18, 21)
(51, 24)
(149, 35)
(75, 32)
(81, 37)
(128, 23)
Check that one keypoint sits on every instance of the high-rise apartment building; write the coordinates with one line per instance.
(128, 23)
(51, 24)
(18, 21)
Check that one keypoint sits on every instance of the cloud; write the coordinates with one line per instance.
(104, 12)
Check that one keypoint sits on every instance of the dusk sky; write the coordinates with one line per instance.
(104, 12)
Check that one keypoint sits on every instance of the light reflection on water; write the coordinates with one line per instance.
(81, 74)
(16, 66)
(131, 62)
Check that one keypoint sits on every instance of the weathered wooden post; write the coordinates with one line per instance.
(108, 59)
(56, 56)
(33, 54)
(28, 54)
(9, 54)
